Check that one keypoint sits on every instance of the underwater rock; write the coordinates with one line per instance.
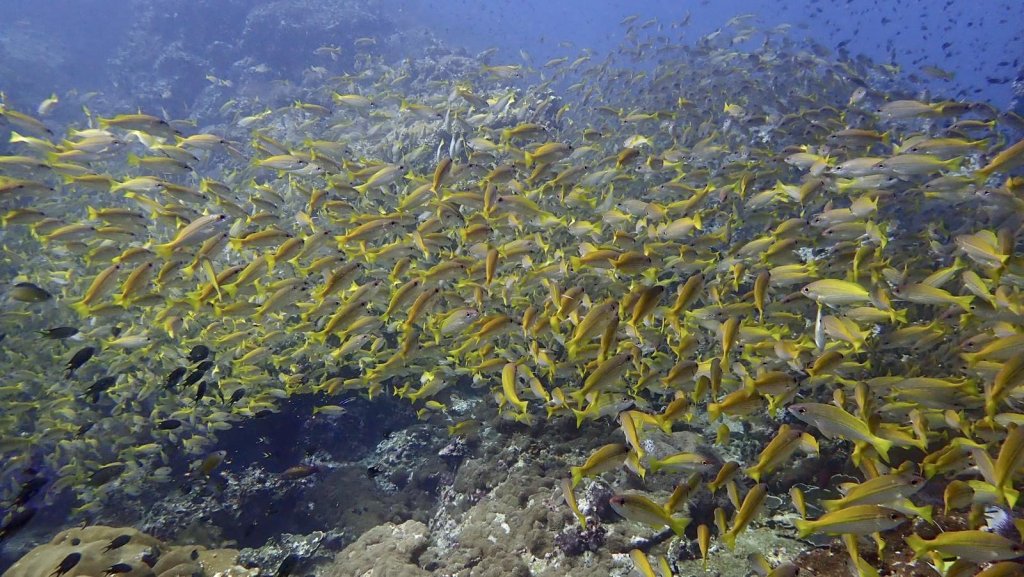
(388, 550)
(575, 540)
(246, 502)
(297, 551)
(100, 550)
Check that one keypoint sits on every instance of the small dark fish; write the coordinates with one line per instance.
(80, 357)
(67, 564)
(58, 333)
(195, 376)
(198, 353)
(117, 542)
(174, 378)
(99, 386)
(84, 429)
(287, 565)
(200, 391)
(16, 521)
(106, 474)
(299, 472)
(236, 396)
(168, 424)
(30, 489)
(118, 569)
(150, 557)
(27, 292)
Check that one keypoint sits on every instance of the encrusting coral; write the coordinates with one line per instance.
(98, 550)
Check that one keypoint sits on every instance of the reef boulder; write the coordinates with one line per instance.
(98, 550)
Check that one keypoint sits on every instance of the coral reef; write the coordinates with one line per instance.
(388, 550)
(100, 550)
(504, 514)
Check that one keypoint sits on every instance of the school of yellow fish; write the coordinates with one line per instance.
(670, 236)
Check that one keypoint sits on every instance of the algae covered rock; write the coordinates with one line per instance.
(98, 550)
(387, 550)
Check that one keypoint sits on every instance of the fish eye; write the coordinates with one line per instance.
(894, 516)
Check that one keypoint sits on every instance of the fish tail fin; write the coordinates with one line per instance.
(754, 473)
(925, 513)
(882, 446)
(803, 528)
(714, 411)
(831, 504)
(164, 250)
(729, 538)
(665, 424)
(929, 470)
(678, 525)
(916, 543)
(1010, 495)
(578, 396)
(577, 475)
(81, 308)
(580, 416)
(549, 220)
